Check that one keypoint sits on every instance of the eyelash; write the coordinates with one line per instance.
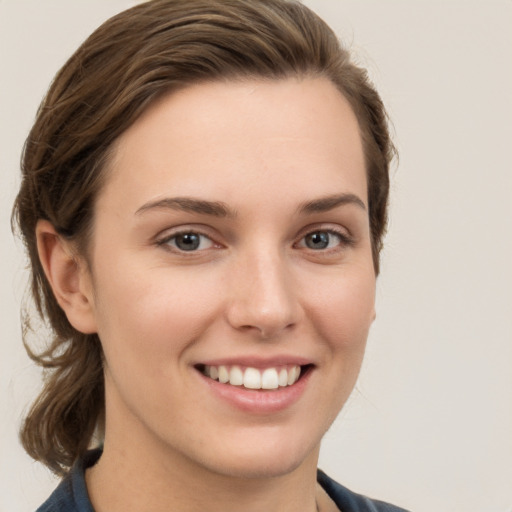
(345, 240)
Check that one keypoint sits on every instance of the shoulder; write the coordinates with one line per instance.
(71, 494)
(61, 499)
(349, 501)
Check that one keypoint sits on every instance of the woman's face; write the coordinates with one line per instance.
(231, 241)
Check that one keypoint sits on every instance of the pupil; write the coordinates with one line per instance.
(319, 240)
(188, 241)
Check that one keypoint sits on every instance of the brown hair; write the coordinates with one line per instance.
(132, 59)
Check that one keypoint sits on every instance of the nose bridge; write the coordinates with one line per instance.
(264, 298)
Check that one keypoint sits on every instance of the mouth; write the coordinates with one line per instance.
(268, 379)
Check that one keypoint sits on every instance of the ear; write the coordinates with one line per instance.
(68, 276)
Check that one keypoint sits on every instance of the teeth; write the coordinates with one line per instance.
(269, 379)
(293, 375)
(253, 378)
(223, 374)
(236, 376)
(214, 372)
(283, 377)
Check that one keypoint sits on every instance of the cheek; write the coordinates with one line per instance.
(344, 309)
(144, 315)
(341, 313)
(146, 324)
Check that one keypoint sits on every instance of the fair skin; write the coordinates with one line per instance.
(232, 231)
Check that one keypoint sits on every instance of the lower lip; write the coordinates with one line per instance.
(259, 401)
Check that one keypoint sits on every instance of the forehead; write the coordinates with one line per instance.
(221, 136)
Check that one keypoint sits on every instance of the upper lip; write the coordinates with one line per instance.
(257, 361)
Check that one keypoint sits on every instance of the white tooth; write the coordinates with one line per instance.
(252, 378)
(236, 377)
(283, 377)
(269, 379)
(223, 374)
(214, 372)
(293, 375)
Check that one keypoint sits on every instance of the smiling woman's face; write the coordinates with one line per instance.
(231, 242)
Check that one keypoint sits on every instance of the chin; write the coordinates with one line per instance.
(255, 459)
(260, 468)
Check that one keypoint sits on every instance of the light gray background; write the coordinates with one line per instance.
(430, 424)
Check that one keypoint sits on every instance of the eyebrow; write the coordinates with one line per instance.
(189, 204)
(325, 204)
(220, 209)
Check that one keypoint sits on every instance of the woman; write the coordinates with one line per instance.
(203, 201)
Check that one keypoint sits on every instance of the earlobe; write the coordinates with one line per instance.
(68, 277)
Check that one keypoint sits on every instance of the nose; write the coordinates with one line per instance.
(263, 298)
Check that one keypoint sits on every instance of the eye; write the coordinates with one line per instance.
(188, 241)
(323, 239)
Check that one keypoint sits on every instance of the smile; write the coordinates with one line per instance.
(254, 378)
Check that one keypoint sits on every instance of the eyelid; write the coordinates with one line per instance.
(328, 227)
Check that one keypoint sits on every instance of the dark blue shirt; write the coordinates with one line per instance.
(71, 494)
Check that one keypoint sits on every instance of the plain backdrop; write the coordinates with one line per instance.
(430, 423)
